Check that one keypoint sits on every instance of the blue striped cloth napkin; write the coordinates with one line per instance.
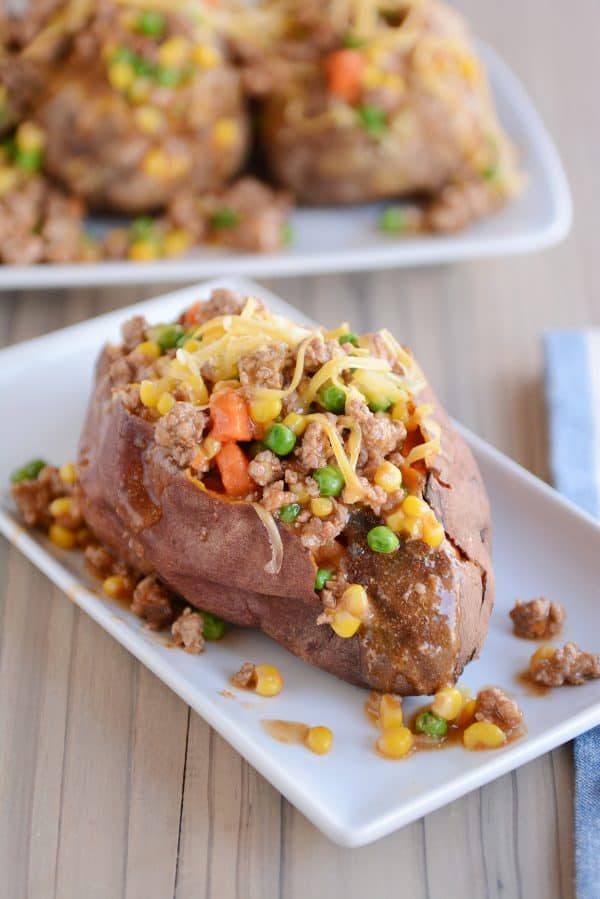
(573, 398)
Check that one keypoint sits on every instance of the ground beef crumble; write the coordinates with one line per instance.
(33, 497)
(537, 618)
(153, 602)
(245, 677)
(265, 468)
(187, 631)
(315, 448)
(264, 367)
(318, 531)
(567, 665)
(492, 704)
(180, 432)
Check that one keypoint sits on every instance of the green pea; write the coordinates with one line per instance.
(168, 77)
(214, 627)
(393, 220)
(321, 578)
(151, 23)
(187, 335)
(352, 41)
(166, 336)
(142, 227)
(28, 472)
(350, 337)
(373, 120)
(290, 512)
(224, 218)
(333, 398)
(29, 161)
(144, 68)
(280, 439)
(330, 480)
(124, 54)
(431, 724)
(382, 540)
(380, 405)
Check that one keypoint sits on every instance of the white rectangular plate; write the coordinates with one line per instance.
(347, 238)
(543, 546)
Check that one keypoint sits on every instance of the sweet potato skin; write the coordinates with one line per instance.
(431, 607)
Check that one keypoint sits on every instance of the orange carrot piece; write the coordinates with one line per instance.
(343, 69)
(190, 316)
(230, 417)
(233, 468)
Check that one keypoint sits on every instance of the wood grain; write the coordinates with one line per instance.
(110, 787)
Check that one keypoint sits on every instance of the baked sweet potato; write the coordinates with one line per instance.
(400, 610)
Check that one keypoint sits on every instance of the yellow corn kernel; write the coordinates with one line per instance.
(344, 623)
(415, 507)
(395, 521)
(225, 133)
(121, 75)
(149, 119)
(355, 600)
(142, 251)
(205, 56)
(139, 90)
(8, 179)
(61, 537)
(265, 408)
(319, 739)
(544, 652)
(389, 477)
(148, 348)
(176, 242)
(447, 703)
(192, 345)
(268, 680)
(148, 394)
(61, 506)
(433, 532)
(321, 506)
(390, 712)
(174, 52)
(30, 138)
(300, 492)
(394, 82)
(467, 714)
(395, 742)
(483, 735)
(296, 423)
(67, 473)
(156, 164)
(372, 77)
(165, 402)
(117, 586)
(210, 447)
(400, 410)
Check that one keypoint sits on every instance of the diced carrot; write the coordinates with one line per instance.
(233, 468)
(343, 69)
(230, 417)
(190, 316)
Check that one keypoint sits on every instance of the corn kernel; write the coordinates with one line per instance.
(67, 473)
(321, 506)
(117, 587)
(148, 394)
(319, 739)
(165, 402)
(148, 348)
(61, 506)
(296, 423)
(395, 742)
(61, 537)
(142, 251)
(372, 77)
(390, 712)
(156, 164)
(149, 119)
(447, 703)
(192, 345)
(176, 242)
(268, 680)
(544, 652)
(415, 507)
(174, 52)
(355, 600)
(139, 90)
(344, 623)
(225, 133)
(483, 735)
(30, 138)
(205, 56)
(399, 410)
(433, 532)
(300, 492)
(210, 447)
(467, 714)
(8, 179)
(121, 75)
(265, 408)
(389, 477)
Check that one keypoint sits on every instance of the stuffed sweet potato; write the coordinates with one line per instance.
(298, 481)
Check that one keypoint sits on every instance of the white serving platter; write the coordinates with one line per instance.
(543, 546)
(347, 238)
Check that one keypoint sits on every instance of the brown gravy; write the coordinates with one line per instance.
(530, 686)
(285, 731)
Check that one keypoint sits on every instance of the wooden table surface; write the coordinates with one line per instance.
(110, 786)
